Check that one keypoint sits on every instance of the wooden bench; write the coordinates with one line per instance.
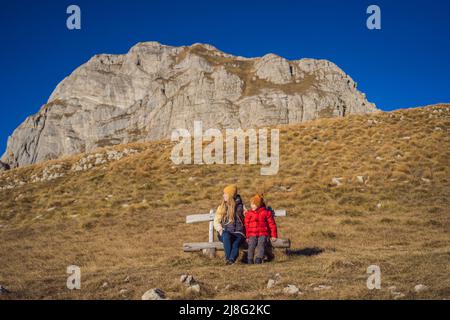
(209, 248)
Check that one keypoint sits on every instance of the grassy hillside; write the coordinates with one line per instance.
(119, 213)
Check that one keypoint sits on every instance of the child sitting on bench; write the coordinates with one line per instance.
(259, 226)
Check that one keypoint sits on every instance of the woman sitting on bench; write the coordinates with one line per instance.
(229, 223)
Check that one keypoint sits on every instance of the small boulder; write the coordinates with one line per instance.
(194, 289)
(187, 280)
(291, 289)
(3, 290)
(322, 287)
(392, 288)
(123, 291)
(420, 288)
(337, 181)
(271, 283)
(154, 294)
(361, 179)
(398, 295)
(183, 278)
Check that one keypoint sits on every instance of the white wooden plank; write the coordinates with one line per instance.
(199, 217)
(198, 246)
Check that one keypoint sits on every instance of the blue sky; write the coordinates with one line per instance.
(405, 64)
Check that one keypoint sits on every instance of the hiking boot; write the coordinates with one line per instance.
(229, 262)
(258, 260)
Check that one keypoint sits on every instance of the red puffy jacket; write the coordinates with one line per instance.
(260, 223)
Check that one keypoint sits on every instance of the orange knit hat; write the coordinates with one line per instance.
(230, 190)
(257, 200)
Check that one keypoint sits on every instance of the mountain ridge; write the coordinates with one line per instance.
(153, 89)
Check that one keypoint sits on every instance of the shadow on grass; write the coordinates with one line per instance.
(304, 252)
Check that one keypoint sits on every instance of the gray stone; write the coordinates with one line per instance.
(3, 290)
(361, 179)
(154, 294)
(271, 283)
(420, 288)
(123, 291)
(398, 295)
(291, 289)
(187, 280)
(194, 288)
(336, 181)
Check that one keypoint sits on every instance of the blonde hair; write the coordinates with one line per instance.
(226, 210)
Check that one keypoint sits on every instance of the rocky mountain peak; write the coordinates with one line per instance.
(153, 89)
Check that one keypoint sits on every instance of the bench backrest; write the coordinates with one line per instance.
(210, 217)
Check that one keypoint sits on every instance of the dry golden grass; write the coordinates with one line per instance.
(128, 218)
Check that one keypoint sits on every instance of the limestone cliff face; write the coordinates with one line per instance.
(153, 89)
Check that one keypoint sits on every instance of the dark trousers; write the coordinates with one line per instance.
(256, 247)
(231, 243)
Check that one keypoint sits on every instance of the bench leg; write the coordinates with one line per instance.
(210, 253)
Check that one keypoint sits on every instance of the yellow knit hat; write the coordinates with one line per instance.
(230, 190)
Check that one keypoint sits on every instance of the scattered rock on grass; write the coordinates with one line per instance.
(3, 290)
(361, 179)
(191, 284)
(271, 283)
(291, 290)
(337, 181)
(123, 291)
(398, 295)
(420, 288)
(194, 288)
(187, 280)
(154, 294)
(321, 287)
